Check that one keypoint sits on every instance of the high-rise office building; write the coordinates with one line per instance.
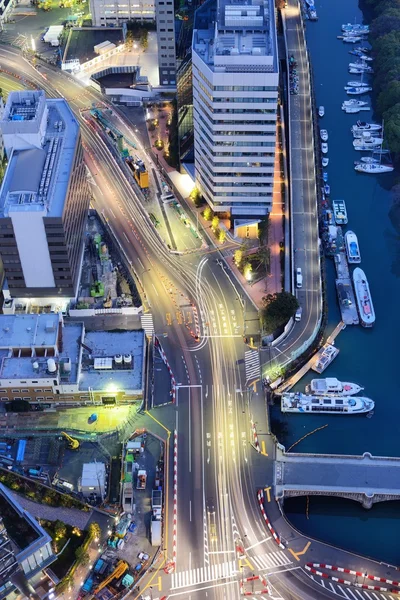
(235, 95)
(165, 19)
(44, 198)
(106, 13)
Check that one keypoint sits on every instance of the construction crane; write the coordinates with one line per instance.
(115, 133)
(72, 442)
(119, 570)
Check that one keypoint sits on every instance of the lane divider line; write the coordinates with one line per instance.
(165, 361)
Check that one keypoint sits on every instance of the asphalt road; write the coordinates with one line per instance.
(219, 471)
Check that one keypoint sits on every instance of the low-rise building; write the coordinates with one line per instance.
(93, 481)
(46, 361)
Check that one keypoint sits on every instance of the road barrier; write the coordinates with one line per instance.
(174, 534)
(251, 579)
(352, 572)
(260, 496)
(255, 437)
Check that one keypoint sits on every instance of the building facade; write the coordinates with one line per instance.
(106, 13)
(165, 20)
(44, 198)
(235, 96)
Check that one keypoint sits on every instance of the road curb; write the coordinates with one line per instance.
(174, 534)
(260, 496)
(362, 586)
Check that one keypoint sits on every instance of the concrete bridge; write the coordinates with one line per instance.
(367, 479)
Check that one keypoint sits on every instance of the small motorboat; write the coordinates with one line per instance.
(324, 135)
(352, 110)
(364, 49)
(324, 148)
(325, 161)
(321, 111)
(362, 126)
(327, 189)
(357, 84)
(354, 102)
(373, 168)
(325, 176)
(357, 91)
(369, 160)
(349, 40)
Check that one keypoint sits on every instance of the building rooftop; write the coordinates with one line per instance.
(36, 179)
(93, 474)
(236, 35)
(28, 331)
(108, 344)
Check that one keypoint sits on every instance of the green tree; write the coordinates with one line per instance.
(215, 222)
(238, 257)
(129, 40)
(388, 97)
(278, 309)
(94, 530)
(65, 583)
(221, 235)
(82, 557)
(60, 529)
(247, 271)
(195, 196)
(385, 23)
(208, 213)
(144, 39)
(392, 127)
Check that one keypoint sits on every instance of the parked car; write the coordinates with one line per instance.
(43, 34)
(143, 556)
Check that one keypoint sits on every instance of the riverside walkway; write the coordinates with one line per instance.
(367, 479)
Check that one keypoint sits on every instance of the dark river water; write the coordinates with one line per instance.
(369, 357)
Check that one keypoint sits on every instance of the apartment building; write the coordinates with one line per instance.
(235, 96)
(44, 197)
(165, 20)
(109, 13)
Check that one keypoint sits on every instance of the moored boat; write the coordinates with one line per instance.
(327, 189)
(373, 169)
(339, 212)
(362, 126)
(325, 161)
(321, 111)
(357, 84)
(357, 91)
(296, 402)
(324, 135)
(324, 358)
(352, 110)
(325, 176)
(363, 296)
(350, 40)
(352, 247)
(324, 148)
(366, 143)
(331, 385)
(354, 102)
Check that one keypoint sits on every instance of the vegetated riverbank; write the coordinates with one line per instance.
(384, 19)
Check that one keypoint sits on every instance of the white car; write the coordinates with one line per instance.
(299, 278)
(143, 556)
(297, 316)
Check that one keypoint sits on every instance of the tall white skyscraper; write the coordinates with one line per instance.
(106, 13)
(165, 20)
(235, 95)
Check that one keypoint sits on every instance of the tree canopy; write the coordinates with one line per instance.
(278, 309)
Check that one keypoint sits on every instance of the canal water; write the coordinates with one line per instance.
(370, 357)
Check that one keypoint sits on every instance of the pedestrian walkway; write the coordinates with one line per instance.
(271, 560)
(70, 516)
(252, 364)
(147, 323)
(203, 575)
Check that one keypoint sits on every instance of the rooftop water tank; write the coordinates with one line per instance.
(127, 359)
(118, 359)
(51, 365)
(35, 365)
(67, 365)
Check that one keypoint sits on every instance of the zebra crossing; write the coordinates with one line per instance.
(271, 560)
(147, 323)
(203, 575)
(252, 364)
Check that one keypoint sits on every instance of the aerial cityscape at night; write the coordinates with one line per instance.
(199, 258)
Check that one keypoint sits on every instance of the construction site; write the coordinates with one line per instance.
(105, 280)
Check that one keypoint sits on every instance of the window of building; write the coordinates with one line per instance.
(49, 398)
(28, 398)
(4, 399)
(15, 391)
(40, 398)
(38, 391)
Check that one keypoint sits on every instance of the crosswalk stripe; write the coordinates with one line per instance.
(147, 323)
(252, 364)
(205, 574)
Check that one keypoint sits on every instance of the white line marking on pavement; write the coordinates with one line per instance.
(258, 543)
(190, 510)
(343, 592)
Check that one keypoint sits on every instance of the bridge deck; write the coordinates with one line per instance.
(336, 474)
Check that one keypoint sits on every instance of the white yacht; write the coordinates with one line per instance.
(321, 111)
(297, 402)
(361, 126)
(360, 70)
(331, 385)
(352, 247)
(354, 102)
(325, 161)
(324, 148)
(367, 141)
(357, 91)
(324, 135)
(350, 40)
(374, 169)
(352, 110)
(363, 296)
(357, 84)
(361, 65)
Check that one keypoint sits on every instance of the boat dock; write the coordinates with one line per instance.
(344, 288)
(287, 385)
